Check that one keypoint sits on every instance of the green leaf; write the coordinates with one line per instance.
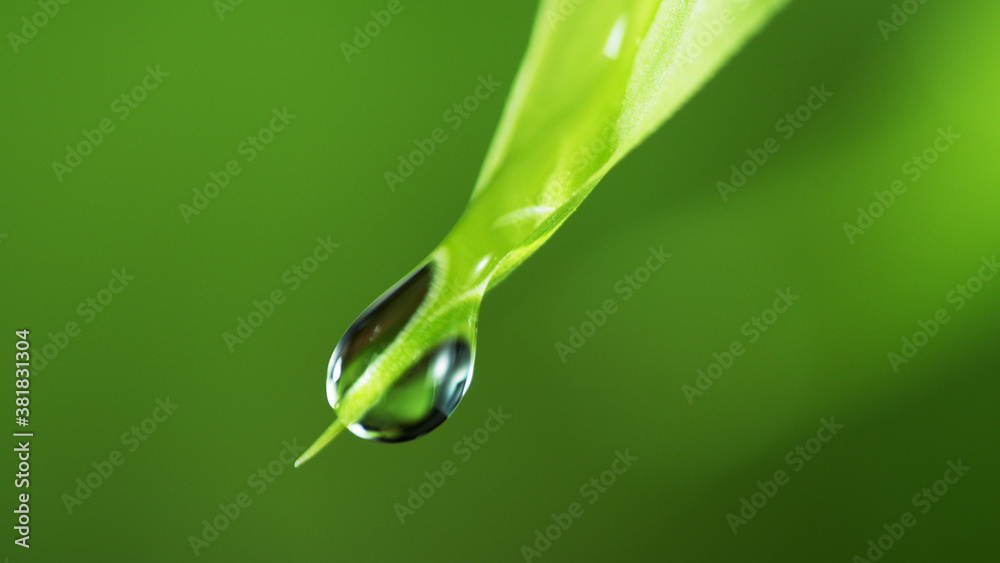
(599, 76)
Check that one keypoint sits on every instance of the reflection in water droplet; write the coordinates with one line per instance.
(430, 389)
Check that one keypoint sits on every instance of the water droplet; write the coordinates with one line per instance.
(431, 388)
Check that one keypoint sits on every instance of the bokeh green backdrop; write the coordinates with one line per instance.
(323, 176)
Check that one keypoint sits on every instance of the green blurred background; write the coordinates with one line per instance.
(322, 176)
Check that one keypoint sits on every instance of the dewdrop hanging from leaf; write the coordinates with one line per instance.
(593, 85)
